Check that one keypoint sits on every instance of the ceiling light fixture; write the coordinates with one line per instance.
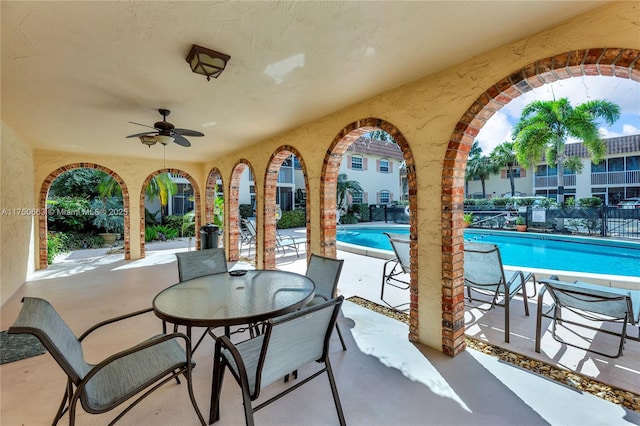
(148, 140)
(207, 62)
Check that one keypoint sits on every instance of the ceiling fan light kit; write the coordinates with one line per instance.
(206, 61)
(165, 132)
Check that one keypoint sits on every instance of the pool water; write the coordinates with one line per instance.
(532, 251)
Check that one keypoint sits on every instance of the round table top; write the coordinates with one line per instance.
(226, 299)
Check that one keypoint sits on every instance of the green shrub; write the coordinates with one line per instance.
(360, 211)
(55, 244)
(590, 202)
(293, 219)
(173, 221)
(245, 210)
(500, 201)
(150, 234)
(69, 214)
(469, 202)
(81, 240)
(348, 219)
(168, 232)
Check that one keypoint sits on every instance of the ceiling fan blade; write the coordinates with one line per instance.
(144, 125)
(187, 132)
(181, 140)
(137, 135)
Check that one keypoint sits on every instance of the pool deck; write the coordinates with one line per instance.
(378, 350)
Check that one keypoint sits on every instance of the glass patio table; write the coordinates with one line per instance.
(233, 298)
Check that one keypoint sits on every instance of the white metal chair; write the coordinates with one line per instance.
(395, 272)
(484, 273)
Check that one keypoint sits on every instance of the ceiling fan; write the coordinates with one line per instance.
(164, 132)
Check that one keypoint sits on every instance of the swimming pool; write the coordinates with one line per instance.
(530, 250)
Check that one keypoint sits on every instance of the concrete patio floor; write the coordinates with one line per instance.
(382, 378)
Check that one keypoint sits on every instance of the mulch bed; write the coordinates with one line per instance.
(565, 377)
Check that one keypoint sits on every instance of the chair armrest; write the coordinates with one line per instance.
(240, 368)
(113, 320)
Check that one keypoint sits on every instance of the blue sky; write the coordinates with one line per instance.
(624, 92)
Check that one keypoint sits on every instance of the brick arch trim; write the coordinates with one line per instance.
(42, 204)
(209, 193)
(232, 208)
(196, 198)
(612, 62)
(328, 182)
(270, 187)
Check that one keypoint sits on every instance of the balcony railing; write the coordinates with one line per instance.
(552, 181)
(616, 178)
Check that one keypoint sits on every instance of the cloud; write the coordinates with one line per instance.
(497, 130)
(623, 92)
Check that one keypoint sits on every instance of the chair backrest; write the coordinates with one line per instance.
(401, 245)
(295, 340)
(194, 264)
(250, 227)
(325, 274)
(37, 317)
(483, 265)
(586, 297)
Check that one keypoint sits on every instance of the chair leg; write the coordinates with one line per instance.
(189, 376)
(344, 347)
(216, 388)
(334, 391)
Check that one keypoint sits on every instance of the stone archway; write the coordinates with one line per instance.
(328, 185)
(196, 198)
(232, 206)
(270, 188)
(42, 205)
(614, 62)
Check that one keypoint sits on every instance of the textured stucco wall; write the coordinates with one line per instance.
(17, 226)
(425, 111)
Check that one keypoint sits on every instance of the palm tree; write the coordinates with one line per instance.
(345, 187)
(161, 186)
(504, 155)
(545, 126)
(479, 167)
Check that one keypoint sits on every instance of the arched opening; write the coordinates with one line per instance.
(271, 197)
(42, 205)
(174, 174)
(612, 62)
(241, 169)
(328, 199)
(214, 201)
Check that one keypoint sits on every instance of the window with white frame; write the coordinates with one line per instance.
(357, 163)
(385, 197)
(357, 197)
(384, 166)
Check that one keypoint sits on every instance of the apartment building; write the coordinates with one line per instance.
(615, 178)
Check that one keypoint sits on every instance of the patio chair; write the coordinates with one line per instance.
(290, 342)
(325, 274)
(592, 303)
(395, 272)
(118, 378)
(250, 234)
(484, 274)
(196, 264)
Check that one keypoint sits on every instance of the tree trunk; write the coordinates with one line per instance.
(560, 196)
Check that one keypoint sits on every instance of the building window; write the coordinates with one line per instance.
(633, 163)
(384, 166)
(515, 172)
(601, 167)
(357, 197)
(385, 197)
(616, 164)
(357, 163)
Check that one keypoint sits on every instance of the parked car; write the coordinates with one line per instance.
(629, 203)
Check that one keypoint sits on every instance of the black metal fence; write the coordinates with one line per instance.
(597, 221)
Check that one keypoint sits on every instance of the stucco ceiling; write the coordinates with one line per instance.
(75, 73)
